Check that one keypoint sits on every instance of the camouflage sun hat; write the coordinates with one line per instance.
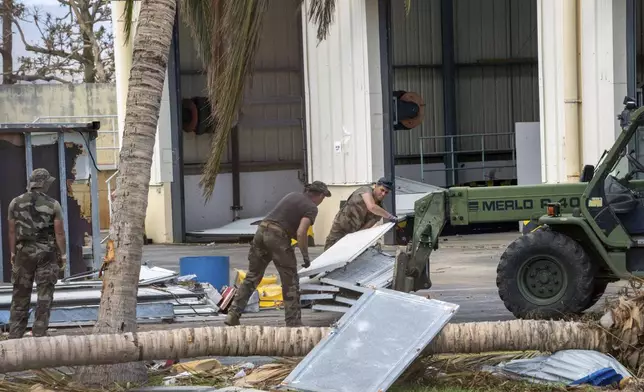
(319, 186)
(40, 178)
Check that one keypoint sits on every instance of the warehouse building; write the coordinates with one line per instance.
(325, 111)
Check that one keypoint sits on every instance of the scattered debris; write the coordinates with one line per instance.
(352, 266)
(163, 296)
(568, 367)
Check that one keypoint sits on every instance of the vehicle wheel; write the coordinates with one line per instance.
(545, 274)
(598, 292)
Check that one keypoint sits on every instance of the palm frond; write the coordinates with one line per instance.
(321, 13)
(128, 18)
(227, 35)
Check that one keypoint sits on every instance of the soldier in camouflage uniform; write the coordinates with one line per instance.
(35, 231)
(362, 210)
(290, 218)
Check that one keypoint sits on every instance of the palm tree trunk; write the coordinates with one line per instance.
(117, 312)
(519, 335)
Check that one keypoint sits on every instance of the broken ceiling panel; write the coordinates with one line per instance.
(373, 343)
(240, 227)
(346, 250)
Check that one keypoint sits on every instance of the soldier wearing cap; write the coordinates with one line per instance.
(290, 218)
(362, 210)
(35, 230)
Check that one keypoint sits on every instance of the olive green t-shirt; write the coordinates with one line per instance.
(290, 210)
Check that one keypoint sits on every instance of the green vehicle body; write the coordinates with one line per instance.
(585, 223)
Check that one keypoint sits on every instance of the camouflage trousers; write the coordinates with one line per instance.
(43, 268)
(271, 243)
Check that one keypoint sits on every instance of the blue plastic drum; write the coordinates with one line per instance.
(209, 269)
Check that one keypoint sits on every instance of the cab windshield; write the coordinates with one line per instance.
(628, 166)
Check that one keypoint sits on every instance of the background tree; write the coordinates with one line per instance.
(73, 47)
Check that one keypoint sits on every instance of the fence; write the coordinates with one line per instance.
(452, 151)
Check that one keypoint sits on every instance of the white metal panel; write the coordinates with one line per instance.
(345, 250)
(603, 58)
(240, 227)
(550, 26)
(339, 107)
(260, 192)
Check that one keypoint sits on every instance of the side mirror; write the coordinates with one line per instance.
(629, 103)
(587, 173)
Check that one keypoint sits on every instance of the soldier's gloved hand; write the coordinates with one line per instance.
(393, 219)
(306, 263)
(13, 258)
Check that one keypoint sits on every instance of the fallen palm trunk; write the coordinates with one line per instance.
(516, 335)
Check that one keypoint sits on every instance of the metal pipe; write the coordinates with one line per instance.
(94, 200)
(29, 159)
(234, 143)
(422, 162)
(62, 172)
(449, 81)
(174, 91)
(388, 112)
(571, 90)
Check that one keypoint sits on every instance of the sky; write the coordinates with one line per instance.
(31, 32)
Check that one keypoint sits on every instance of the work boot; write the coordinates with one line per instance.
(232, 319)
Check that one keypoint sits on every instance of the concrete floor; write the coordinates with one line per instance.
(463, 272)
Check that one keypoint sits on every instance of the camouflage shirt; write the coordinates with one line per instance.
(354, 214)
(34, 214)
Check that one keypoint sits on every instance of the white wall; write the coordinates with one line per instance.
(343, 96)
(602, 83)
(260, 191)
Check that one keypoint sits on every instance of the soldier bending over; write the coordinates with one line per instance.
(291, 217)
(362, 210)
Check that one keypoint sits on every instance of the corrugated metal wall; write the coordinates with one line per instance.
(496, 69)
(271, 129)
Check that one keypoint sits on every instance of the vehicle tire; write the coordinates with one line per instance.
(598, 292)
(546, 275)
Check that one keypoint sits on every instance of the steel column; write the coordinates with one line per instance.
(177, 192)
(384, 22)
(449, 85)
(62, 172)
(94, 199)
